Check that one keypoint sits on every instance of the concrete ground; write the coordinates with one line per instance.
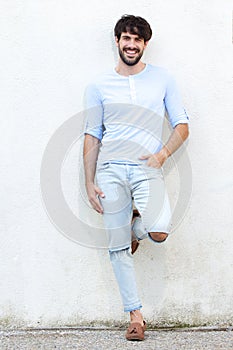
(99, 339)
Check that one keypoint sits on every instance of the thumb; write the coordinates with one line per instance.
(99, 192)
(146, 156)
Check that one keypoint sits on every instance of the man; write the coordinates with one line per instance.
(123, 149)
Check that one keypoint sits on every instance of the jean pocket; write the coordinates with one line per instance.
(102, 166)
(151, 171)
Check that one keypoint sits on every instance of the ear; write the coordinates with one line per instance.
(146, 43)
(116, 41)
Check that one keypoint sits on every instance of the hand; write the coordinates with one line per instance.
(92, 192)
(156, 160)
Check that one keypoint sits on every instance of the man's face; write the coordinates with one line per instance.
(130, 48)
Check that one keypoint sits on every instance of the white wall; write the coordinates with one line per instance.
(50, 50)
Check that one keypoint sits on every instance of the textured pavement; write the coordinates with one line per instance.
(114, 340)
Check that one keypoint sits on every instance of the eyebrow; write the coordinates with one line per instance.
(127, 36)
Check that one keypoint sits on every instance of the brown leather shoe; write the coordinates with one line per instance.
(135, 213)
(134, 246)
(135, 242)
(136, 331)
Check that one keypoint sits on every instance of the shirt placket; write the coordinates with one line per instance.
(132, 88)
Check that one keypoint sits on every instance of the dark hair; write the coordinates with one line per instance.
(133, 25)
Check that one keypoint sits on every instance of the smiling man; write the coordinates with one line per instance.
(124, 155)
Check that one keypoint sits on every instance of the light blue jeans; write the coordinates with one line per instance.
(122, 184)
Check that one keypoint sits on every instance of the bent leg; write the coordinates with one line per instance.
(151, 199)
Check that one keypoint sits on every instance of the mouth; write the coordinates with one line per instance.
(131, 52)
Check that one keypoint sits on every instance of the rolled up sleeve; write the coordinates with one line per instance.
(173, 104)
(93, 113)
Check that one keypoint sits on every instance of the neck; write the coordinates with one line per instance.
(124, 69)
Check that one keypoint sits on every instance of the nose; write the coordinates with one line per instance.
(132, 43)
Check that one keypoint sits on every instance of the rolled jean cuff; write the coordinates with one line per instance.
(138, 229)
(132, 307)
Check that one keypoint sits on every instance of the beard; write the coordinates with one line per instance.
(130, 61)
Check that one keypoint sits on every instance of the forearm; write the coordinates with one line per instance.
(178, 136)
(176, 139)
(90, 155)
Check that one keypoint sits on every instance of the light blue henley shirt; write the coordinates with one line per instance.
(126, 113)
